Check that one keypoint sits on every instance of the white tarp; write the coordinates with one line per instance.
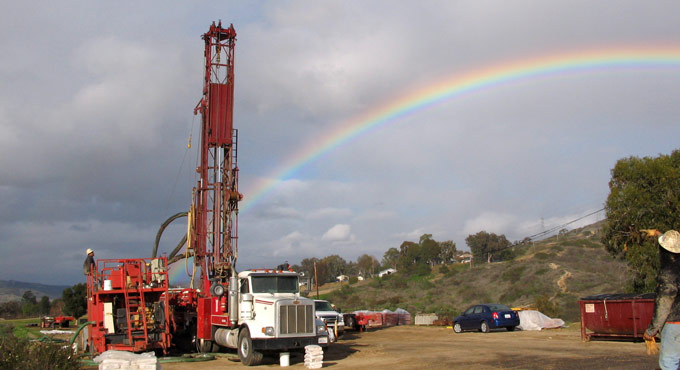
(123, 360)
(57, 331)
(534, 320)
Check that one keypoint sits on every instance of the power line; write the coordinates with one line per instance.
(558, 227)
(546, 232)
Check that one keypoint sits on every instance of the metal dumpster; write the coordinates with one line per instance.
(616, 315)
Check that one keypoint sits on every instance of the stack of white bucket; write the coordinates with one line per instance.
(313, 356)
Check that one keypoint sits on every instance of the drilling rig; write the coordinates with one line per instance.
(255, 311)
(213, 215)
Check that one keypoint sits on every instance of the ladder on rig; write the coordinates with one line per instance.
(135, 305)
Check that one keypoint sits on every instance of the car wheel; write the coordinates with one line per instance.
(246, 353)
(484, 327)
(457, 328)
(511, 328)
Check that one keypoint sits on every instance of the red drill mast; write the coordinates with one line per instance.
(213, 217)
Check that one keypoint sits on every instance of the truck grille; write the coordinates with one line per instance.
(329, 319)
(296, 319)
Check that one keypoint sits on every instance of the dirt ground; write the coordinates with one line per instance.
(417, 347)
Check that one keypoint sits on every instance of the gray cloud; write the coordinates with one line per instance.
(96, 111)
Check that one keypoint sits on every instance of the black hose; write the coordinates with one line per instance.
(162, 228)
(178, 247)
(178, 258)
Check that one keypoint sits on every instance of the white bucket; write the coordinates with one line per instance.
(284, 359)
(107, 285)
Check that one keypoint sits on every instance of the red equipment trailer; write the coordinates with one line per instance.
(127, 299)
(52, 322)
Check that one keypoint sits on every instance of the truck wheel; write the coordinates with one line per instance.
(351, 323)
(484, 327)
(246, 353)
(457, 328)
(511, 328)
(206, 346)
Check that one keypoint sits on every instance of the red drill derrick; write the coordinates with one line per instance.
(214, 213)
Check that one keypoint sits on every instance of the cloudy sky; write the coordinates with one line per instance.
(97, 98)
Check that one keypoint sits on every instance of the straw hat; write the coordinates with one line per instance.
(670, 241)
(89, 250)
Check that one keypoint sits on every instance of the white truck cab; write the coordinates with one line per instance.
(272, 317)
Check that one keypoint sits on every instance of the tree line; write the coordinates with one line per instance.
(73, 302)
(411, 258)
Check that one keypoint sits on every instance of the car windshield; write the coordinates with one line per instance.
(499, 307)
(323, 306)
(275, 284)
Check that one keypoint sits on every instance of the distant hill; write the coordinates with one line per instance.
(560, 269)
(11, 290)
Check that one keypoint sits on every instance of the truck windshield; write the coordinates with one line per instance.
(323, 306)
(275, 284)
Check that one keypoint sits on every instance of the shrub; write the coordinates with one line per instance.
(21, 354)
(396, 282)
(379, 282)
(444, 270)
(353, 279)
(513, 274)
(543, 256)
(571, 310)
(423, 269)
(546, 306)
(540, 271)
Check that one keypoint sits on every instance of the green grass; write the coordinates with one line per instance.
(21, 330)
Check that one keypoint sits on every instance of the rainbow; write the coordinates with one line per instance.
(177, 272)
(460, 84)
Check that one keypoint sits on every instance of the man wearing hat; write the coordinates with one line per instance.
(667, 304)
(89, 265)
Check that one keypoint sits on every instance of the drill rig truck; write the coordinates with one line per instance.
(257, 311)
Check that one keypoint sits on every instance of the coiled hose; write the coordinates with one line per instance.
(189, 357)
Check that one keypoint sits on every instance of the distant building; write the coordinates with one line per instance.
(464, 258)
(342, 278)
(389, 271)
(360, 278)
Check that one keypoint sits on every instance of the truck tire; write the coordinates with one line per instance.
(457, 328)
(246, 352)
(484, 327)
(351, 323)
(206, 346)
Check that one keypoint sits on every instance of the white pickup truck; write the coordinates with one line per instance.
(326, 313)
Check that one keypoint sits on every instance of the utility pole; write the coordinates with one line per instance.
(316, 281)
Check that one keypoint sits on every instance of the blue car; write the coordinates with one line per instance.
(484, 317)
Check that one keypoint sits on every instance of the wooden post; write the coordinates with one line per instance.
(316, 281)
